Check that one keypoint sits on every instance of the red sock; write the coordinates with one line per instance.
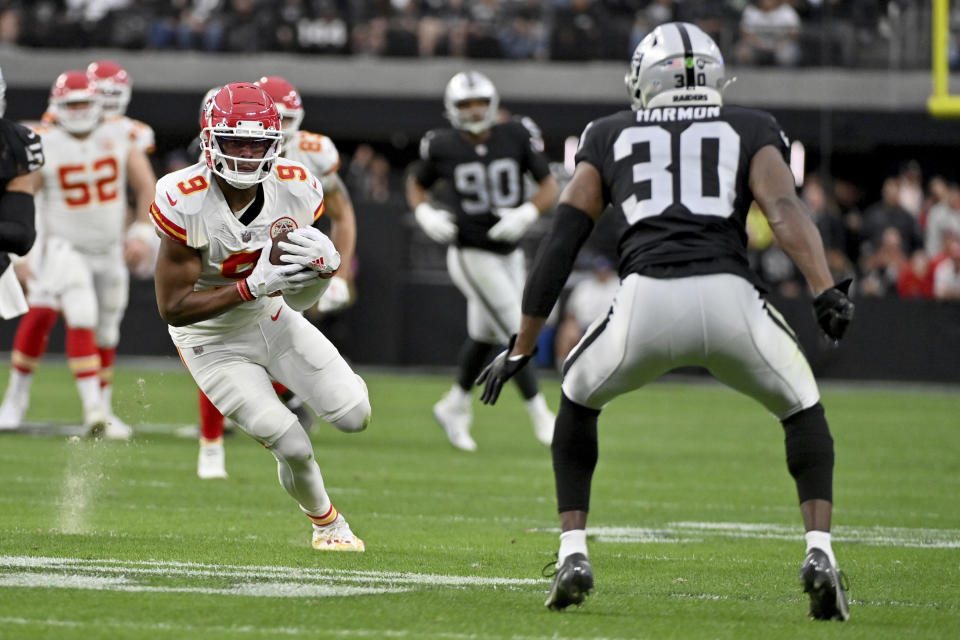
(211, 420)
(107, 358)
(82, 355)
(30, 341)
(279, 388)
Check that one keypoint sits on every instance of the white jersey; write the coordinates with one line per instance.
(316, 152)
(140, 132)
(189, 208)
(84, 199)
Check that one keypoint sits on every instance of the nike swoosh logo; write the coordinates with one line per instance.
(173, 202)
(274, 318)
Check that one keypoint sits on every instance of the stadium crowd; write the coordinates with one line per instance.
(749, 32)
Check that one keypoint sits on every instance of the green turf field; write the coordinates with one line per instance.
(694, 527)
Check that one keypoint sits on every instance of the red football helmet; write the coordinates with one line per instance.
(241, 134)
(288, 102)
(114, 84)
(75, 103)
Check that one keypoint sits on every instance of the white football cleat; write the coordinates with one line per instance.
(12, 412)
(212, 461)
(455, 418)
(542, 418)
(336, 536)
(95, 422)
(117, 429)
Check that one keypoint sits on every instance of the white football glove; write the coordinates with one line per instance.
(514, 222)
(309, 247)
(336, 297)
(268, 278)
(438, 224)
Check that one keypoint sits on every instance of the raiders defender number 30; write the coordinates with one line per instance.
(475, 171)
(681, 169)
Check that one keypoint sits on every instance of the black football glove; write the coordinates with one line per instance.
(834, 310)
(501, 369)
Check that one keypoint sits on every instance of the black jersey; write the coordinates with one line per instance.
(474, 180)
(20, 151)
(678, 178)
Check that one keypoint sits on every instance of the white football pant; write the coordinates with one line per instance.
(493, 286)
(235, 373)
(91, 290)
(718, 321)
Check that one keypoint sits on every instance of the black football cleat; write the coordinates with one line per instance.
(571, 583)
(819, 578)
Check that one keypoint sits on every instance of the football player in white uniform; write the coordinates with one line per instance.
(233, 311)
(76, 266)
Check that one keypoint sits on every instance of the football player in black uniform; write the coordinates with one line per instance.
(682, 169)
(21, 156)
(476, 171)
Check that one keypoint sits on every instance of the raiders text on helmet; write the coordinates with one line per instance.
(676, 64)
(470, 85)
(75, 103)
(241, 112)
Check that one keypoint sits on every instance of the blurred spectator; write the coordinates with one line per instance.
(881, 268)
(578, 32)
(368, 175)
(889, 214)
(523, 34)
(915, 279)
(11, 14)
(943, 218)
(769, 34)
(911, 188)
(590, 299)
(946, 277)
(826, 216)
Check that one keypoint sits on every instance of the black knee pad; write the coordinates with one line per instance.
(810, 453)
(574, 451)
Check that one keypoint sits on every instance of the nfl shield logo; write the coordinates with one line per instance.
(245, 236)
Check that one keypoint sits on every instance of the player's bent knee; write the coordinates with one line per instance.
(356, 419)
(294, 446)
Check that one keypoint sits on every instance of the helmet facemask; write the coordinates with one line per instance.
(116, 97)
(676, 64)
(77, 114)
(466, 87)
(290, 120)
(242, 155)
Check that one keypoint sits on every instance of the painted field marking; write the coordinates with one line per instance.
(243, 580)
(672, 532)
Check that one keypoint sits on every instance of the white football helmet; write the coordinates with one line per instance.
(75, 103)
(114, 84)
(676, 64)
(470, 85)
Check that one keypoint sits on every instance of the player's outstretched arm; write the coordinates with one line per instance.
(437, 223)
(343, 222)
(178, 269)
(580, 205)
(791, 222)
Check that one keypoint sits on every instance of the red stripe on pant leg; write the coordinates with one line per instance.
(33, 333)
(107, 358)
(279, 388)
(211, 420)
(81, 348)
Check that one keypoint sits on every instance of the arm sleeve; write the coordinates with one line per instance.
(534, 159)
(571, 228)
(425, 171)
(17, 228)
(21, 150)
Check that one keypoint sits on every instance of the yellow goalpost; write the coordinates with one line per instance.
(941, 102)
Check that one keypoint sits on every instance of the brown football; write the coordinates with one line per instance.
(275, 250)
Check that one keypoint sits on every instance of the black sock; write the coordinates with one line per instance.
(810, 453)
(574, 451)
(473, 356)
